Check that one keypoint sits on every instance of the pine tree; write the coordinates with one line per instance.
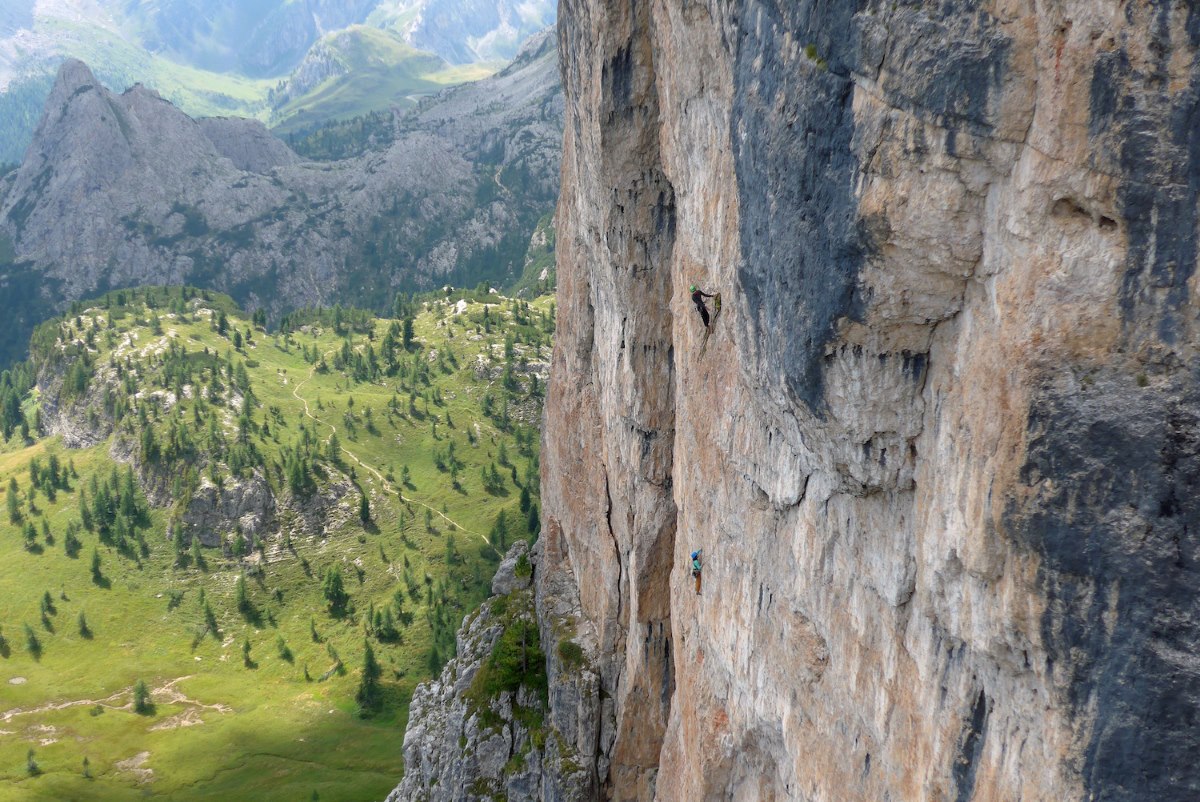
(85, 510)
(128, 495)
(180, 551)
(534, 521)
(14, 506)
(84, 630)
(368, 686)
(97, 577)
(210, 619)
(500, 531)
(334, 589)
(284, 652)
(386, 630)
(32, 644)
(71, 542)
(141, 697)
(197, 557)
(240, 596)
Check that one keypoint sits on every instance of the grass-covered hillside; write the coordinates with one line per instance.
(227, 556)
(363, 69)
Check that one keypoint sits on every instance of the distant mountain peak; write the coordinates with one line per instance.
(73, 76)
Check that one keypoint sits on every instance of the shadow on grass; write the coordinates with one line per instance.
(252, 615)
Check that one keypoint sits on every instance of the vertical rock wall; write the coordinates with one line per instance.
(942, 448)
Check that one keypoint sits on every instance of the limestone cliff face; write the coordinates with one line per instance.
(942, 448)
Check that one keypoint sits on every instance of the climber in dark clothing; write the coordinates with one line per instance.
(698, 297)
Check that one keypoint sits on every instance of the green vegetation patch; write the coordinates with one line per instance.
(191, 656)
(571, 654)
(381, 71)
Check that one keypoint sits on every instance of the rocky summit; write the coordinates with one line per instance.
(938, 452)
(126, 190)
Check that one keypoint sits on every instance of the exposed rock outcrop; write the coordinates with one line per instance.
(940, 449)
(247, 506)
(473, 736)
(247, 143)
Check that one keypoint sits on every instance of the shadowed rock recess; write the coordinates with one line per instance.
(942, 448)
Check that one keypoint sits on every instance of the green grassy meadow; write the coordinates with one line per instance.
(383, 71)
(281, 721)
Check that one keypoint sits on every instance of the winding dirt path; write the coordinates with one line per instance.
(175, 696)
(51, 707)
(374, 471)
(172, 696)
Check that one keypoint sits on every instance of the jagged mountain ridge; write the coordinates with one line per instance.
(125, 190)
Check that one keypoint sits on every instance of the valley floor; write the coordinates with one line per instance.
(263, 704)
